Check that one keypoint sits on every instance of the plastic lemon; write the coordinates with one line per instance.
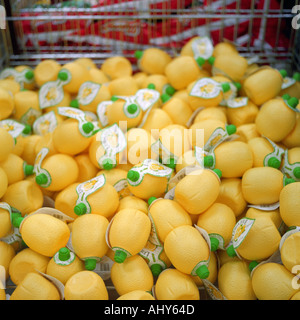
(242, 115)
(88, 238)
(98, 76)
(246, 132)
(25, 196)
(10, 85)
(87, 170)
(124, 86)
(274, 215)
(46, 70)
(24, 262)
(7, 104)
(175, 285)
(159, 82)
(34, 286)
(262, 185)
(186, 247)
(117, 67)
(132, 202)
(86, 62)
(3, 182)
(272, 281)
(44, 233)
(85, 285)
(168, 214)
(215, 113)
(29, 149)
(186, 159)
(136, 295)
(127, 238)
(293, 138)
(24, 101)
(64, 265)
(7, 253)
(7, 144)
(235, 282)
(197, 191)
(290, 204)
(140, 77)
(132, 274)
(289, 253)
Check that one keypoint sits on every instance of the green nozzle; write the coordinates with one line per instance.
(274, 163)
(28, 170)
(74, 104)
(231, 129)
(151, 199)
(138, 54)
(114, 98)
(107, 164)
(27, 129)
(151, 86)
(214, 243)
(202, 272)
(252, 265)
(87, 127)
(225, 86)
(286, 96)
(17, 221)
(29, 75)
(218, 172)
(133, 175)
(132, 108)
(41, 179)
(90, 264)
(293, 102)
(211, 60)
(238, 85)
(296, 172)
(208, 161)
(64, 254)
(170, 90)
(296, 76)
(171, 164)
(62, 75)
(15, 215)
(200, 61)
(165, 97)
(120, 256)
(156, 269)
(230, 251)
(288, 181)
(283, 73)
(80, 209)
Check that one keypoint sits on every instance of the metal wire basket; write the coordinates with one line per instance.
(66, 30)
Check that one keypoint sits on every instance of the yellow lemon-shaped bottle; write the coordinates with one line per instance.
(35, 287)
(46, 70)
(24, 262)
(289, 253)
(86, 62)
(215, 113)
(26, 102)
(10, 85)
(29, 149)
(186, 248)
(133, 274)
(7, 253)
(98, 76)
(116, 67)
(262, 185)
(246, 132)
(124, 86)
(5, 222)
(88, 238)
(87, 170)
(44, 233)
(292, 139)
(172, 284)
(132, 202)
(65, 200)
(242, 115)
(7, 104)
(125, 238)
(234, 281)
(136, 295)
(63, 265)
(274, 215)
(7, 144)
(3, 182)
(224, 48)
(272, 281)
(85, 285)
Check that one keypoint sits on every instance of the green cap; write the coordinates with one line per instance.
(296, 76)
(274, 163)
(296, 172)
(230, 251)
(202, 272)
(114, 98)
(74, 104)
(293, 102)
(283, 72)
(41, 179)
(80, 209)
(286, 96)
(252, 265)
(63, 76)
(132, 108)
(238, 85)
(87, 127)
(151, 86)
(17, 221)
(231, 129)
(208, 161)
(90, 264)
(165, 97)
(225, 86)
(211, 60)
(288, 181)
(138, 54)
(29, 75)
(170, 90)
(133, 175)
(64, 254)
(214, 243)
(200, 61)
(28, 170)
(107, 164)
(156, 269)
(120, 256)
(15, 215)
(218, 172)
(27, 129)
(151, 199)
(171, 164)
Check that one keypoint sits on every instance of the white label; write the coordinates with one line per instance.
(213, 291)
(30, 116)
(45, 123)
(13, 127)
(64, 262)
(240, 231)
(237, 102)
(202, 47)
(18, 76)
(128, 101)
(54, 213)
(287, 82)
(164, 153)
(122, 188)
(288, 169)
(229, 95)
(37, 169)
(146, 98)
(88, 92)
(193, 116)
(101, 112)
(60, 287)
(265, 207)
(206, 88)
(277, 153)
(103, 267)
